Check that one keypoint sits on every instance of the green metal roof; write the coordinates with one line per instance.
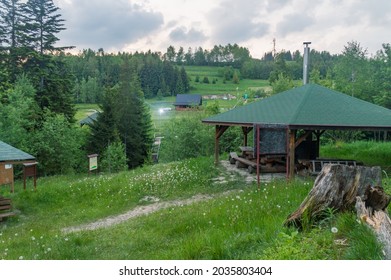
(9, 153)
(311, 106)
(89, 120)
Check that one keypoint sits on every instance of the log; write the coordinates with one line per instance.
(336, 187)
(379, 221)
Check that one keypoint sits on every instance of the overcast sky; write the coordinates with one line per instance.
(142, 25)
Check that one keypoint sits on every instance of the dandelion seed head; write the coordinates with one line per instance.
(334, 230)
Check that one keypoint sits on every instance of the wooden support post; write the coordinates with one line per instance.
(217, 148)
(258, 156)
(318, 133)
(291, 154)
(246, 131)
(220, 129)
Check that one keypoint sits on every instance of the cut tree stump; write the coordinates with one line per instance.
(336, 187)
(379, 222)
(342, 187)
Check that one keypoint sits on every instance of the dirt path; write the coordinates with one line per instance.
(140, 211)
(228, 173)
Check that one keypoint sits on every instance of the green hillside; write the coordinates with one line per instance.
(196, 212)
(219, 87)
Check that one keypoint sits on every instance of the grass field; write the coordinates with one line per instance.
(245, 223)
(239, 222)
(219, 87)
(84, 110)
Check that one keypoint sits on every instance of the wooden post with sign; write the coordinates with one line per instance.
(92, 163)
(7, 175)
(30, 170)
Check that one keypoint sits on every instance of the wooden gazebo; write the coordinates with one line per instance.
(309, 109)
(8, 157)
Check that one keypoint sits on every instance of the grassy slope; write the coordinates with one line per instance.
(370, 153)
(246, 224)
(219, 87)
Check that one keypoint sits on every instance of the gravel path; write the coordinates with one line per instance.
(226, 175)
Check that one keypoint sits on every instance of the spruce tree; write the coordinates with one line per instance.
(51, 77)
(103, 130)
(10, 38)
(42, 23)
(134, 121)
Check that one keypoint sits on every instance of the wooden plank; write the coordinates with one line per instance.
(5, 201)
(247, 162)
(5, 207)
(7, 214)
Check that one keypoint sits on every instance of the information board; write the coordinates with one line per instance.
(93, 162)
(272, 140)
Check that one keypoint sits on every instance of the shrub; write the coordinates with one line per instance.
(114, 158)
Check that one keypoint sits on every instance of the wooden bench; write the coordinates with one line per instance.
(5, 208)
(317, 165)
(232, 157)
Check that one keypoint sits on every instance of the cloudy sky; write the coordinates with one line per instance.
(142, 25)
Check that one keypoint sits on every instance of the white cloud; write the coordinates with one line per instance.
(181, 34)
(107, 24)
(155, 24)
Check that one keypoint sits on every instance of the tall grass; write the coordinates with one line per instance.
(368, 152)
(245, 223)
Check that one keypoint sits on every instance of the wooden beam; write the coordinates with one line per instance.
(291, 154)
(246, 131)
(303, 138)
(220, 129)
(319, 133)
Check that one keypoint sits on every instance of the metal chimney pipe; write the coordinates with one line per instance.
(306, 62)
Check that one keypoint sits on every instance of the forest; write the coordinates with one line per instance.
(41, 82)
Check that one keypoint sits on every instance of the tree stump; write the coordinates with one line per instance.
(336, 187)
(379, 221)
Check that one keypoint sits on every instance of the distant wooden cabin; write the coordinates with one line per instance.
(89, 120)
(187, 101)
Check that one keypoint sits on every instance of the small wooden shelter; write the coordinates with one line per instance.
(89, 120)
(187, 101)
(8, 157)
(302, 114)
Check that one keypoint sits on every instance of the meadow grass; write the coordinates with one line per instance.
(368, 152)
(220, 87)
(241, 222)
(84, 110)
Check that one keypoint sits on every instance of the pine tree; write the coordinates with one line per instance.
(51, 77)
(41, 24)
(133, 119)
(10, 30)
(103, 130)
(185, 79)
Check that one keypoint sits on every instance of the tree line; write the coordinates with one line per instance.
(40, 82)
(95, 71)
(352, 71)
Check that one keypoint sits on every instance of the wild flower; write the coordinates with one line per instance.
(334, 230)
